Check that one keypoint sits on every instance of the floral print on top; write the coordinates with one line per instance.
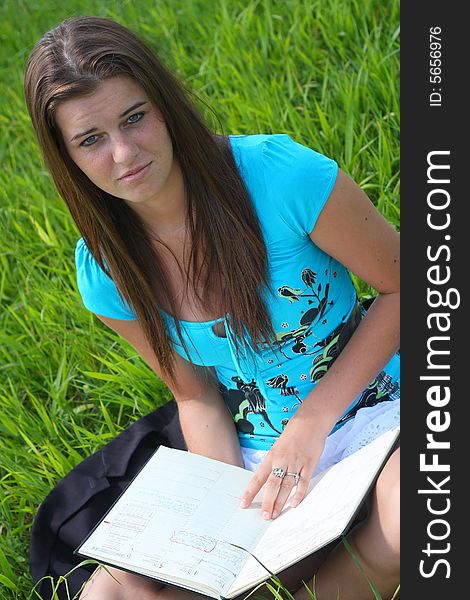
(312, 300)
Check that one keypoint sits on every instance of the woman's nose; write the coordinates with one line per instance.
(124, 150)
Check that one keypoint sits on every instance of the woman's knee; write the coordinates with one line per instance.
(114, 584)
(387, 504)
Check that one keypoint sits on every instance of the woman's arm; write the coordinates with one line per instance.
(207, 425)
(351, 230)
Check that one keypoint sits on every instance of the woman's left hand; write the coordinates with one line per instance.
(297, 450)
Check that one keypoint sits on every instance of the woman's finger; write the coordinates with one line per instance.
(301, 491)
(256, 483)
(285, 489)
(271, 492)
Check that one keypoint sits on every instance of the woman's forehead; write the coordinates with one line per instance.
(111, 99)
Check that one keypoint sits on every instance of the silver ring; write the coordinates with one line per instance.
(279, 472)
(296, 476)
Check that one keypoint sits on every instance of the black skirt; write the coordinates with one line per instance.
(84, 495)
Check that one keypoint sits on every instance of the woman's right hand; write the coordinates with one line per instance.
(296, 451)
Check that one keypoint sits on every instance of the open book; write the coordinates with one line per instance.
(179, 520)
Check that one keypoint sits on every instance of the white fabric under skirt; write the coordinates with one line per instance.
(368, 423)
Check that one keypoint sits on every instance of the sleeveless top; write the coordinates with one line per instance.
(312, 300)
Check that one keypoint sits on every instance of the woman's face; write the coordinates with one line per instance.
(118, 138)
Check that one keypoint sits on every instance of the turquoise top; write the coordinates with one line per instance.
(312, 296)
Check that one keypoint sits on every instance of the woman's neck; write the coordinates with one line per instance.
(165, 214)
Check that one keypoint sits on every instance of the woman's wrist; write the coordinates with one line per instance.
(313, 417)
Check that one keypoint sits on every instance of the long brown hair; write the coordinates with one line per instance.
(227, 253)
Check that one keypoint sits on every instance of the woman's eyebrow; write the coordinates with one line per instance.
(131, 108)
(93, 129)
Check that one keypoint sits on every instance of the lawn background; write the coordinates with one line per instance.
(324, 71)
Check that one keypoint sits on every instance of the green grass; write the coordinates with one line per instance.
(324, 71)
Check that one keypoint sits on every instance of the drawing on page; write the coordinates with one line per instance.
(194, 540)
(218, 571)
(167, 502)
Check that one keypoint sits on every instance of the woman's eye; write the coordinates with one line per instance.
(135, 117)
(89, 141)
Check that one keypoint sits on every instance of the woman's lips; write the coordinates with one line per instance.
(137, 175)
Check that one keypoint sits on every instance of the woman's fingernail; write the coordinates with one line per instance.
(244, 503)
(275, 514)
(266, 515)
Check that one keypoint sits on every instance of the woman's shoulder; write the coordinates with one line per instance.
(87, 266)
(255, 146)
(273, 146)
(98, 291)
(286, 178)
(276, 161)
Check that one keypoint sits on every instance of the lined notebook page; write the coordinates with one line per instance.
(334, 497)
(178, 520)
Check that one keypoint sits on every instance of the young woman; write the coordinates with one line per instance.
(225, 262)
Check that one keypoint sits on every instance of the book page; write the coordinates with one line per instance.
(176, 522)
(333, 499)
